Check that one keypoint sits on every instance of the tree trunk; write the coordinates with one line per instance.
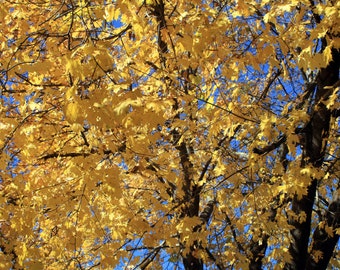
(324, 241)
(192, 263)
(316, 135)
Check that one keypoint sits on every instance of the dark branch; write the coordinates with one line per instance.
(323, 240)
(270, 147)
(57, 154)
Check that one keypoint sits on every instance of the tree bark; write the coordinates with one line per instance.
(316, 135)
(324, 241)
(301, 232)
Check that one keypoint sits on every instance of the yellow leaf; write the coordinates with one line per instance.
(22, 252)
(329, 230)
(126, 106)
(72, 112)
(327, 53)
(112, 13)
(70, 92)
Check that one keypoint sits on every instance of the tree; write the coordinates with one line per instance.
(161, 134)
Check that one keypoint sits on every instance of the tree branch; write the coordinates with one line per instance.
(270, 147)
(323, 240)
(58, 154)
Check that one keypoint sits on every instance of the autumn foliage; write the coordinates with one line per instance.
(158, 134)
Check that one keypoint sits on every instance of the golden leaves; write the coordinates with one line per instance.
(127, 105)
(126, 142)
(72, 112)
(111, 13)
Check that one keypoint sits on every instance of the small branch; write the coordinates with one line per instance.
(212, 257)
(270, 82)
(233, 231)
(226, 110)
(270, 147)
(148, 259)
(58, 154)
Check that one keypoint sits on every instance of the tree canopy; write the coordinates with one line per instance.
(158, 134)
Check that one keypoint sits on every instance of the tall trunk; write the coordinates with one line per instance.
(192, 263)
(315, 136)
(301, 232)
(323, 240)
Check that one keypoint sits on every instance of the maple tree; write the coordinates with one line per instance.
(169, 134)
